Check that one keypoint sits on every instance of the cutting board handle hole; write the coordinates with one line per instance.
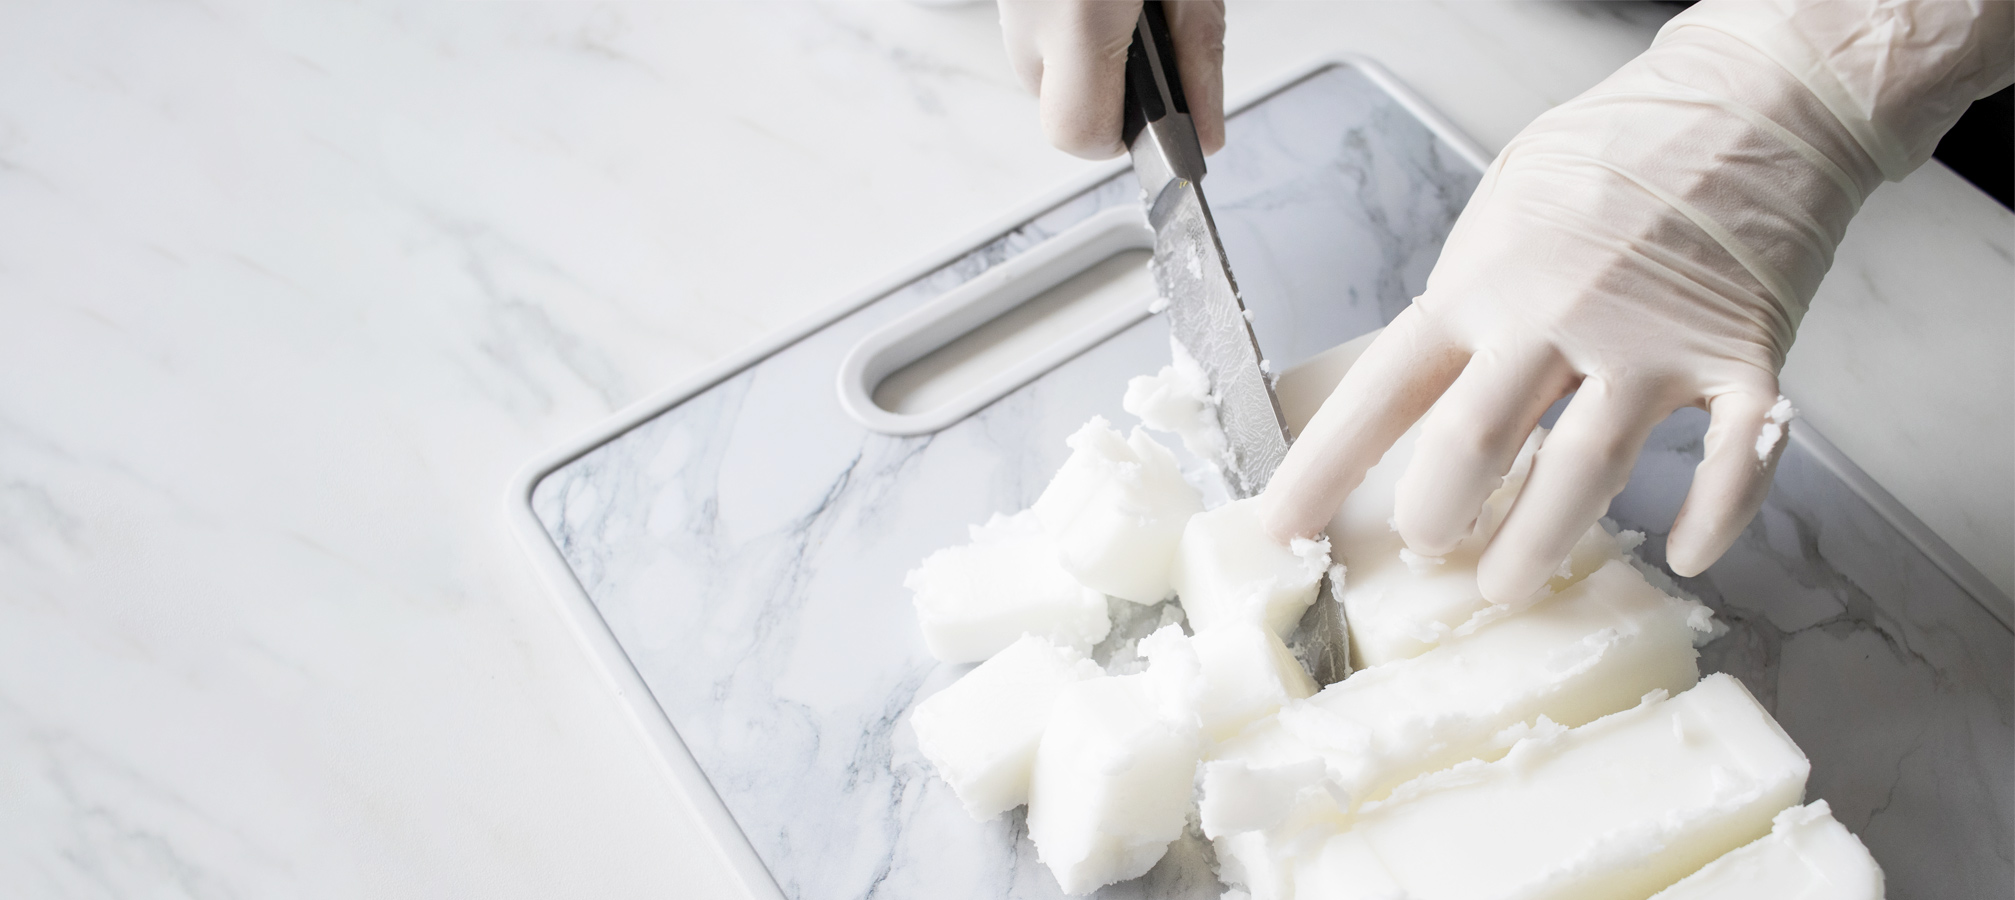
(1006, 327)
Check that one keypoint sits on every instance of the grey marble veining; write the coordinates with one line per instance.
(747, 546)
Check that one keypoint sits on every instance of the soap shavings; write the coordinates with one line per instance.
(1314, 552)
(1418, 564)
(1177, 400)
(1774, 424)
(1565, 569)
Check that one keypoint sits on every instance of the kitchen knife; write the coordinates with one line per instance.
(1206, 316)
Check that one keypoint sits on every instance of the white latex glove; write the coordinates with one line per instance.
(1650, 244)
(1071, 54)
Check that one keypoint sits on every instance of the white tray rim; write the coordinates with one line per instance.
(649, 719)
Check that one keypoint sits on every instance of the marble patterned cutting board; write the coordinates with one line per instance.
(741, 549)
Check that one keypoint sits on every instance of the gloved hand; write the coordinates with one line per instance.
(1072, 55)
(1648, 245)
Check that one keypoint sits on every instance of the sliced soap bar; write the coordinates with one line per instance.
(974, 599)
(1228, 569)
(982, 732)
(1614, 810)
(1116, 510)
(1595, 649)
(1400, 604)
(1112, 780)
(1807, 856)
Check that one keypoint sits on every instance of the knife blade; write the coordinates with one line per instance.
(1207, 317)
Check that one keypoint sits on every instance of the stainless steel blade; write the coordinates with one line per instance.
(1207, 320)
(1206, 315)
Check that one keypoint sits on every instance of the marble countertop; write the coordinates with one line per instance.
(288, 291)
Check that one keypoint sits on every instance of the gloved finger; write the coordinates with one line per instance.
(1197, 27)
(1084, 78)
(1471, 438)
(1384, 393)
(1731, 481)
(1583, 464)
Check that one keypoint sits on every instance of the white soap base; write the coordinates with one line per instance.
(1177, 401)
(1229, 570)
(1116, 510)
(1807, 856)
(1462, 727)
(1111, 784)
(981, 733)
(1592, 651)
(975, 599)
(1248, 674)
(1616, 809)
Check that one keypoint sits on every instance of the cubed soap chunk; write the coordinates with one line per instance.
(974, 599)
(1247, 674)
(1400, 604)
(1116, 511)
(1113, 776)
(982, 732)
(1807, 856)
(1614, 810)
(1228, 569)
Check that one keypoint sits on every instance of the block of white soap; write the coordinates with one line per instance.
(1247, 674)
(1400, 604)
(1113, 776)
(1228, 569)
(1614, 810)
(1595, 649)
(1177, 400)
(982, 732)
(974, 599)
(1807, 856)
(1116, 510)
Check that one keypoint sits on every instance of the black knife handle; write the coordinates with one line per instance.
(1148, 98)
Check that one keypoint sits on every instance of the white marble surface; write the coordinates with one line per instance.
(287, 291)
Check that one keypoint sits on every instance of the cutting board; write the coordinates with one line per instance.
(732, 550)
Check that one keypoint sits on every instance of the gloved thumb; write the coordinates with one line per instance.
(1197, 27)
(1073, 55)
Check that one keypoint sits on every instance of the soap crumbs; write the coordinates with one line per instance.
(1780, 415)
(1418, 564)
